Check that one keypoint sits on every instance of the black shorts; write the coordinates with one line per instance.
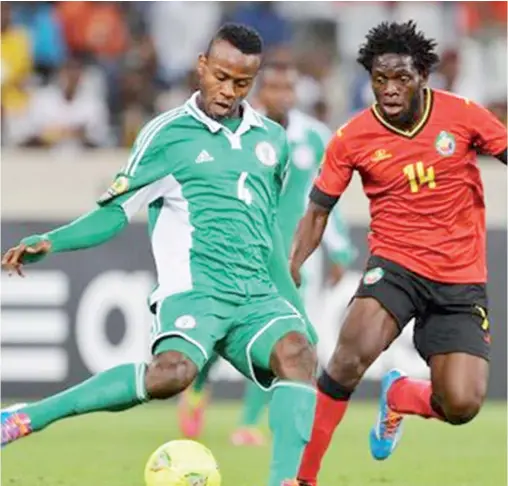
(448, 317)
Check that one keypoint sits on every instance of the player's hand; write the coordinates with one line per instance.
(295, 274)
(335, 274)
(28, 251)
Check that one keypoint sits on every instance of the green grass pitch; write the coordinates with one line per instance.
(111, 450)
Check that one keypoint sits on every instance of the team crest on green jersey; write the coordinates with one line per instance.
(266, 154)
(185, 322)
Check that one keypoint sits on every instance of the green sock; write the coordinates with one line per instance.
(254, 401)
(202, 378)
(292, 409)
(114, 390)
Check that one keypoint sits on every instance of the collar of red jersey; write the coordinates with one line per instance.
(418, 127)
(250, 117)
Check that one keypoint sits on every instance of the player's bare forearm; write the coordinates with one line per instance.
(308, 237)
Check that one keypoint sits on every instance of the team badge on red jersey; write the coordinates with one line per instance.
(445, 144)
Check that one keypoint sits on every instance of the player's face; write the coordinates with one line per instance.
(277, 93)
(225, 78)
(397, 86)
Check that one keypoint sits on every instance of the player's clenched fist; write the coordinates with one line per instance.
(29, 250)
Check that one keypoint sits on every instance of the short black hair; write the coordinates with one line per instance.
(246, 39)
(396, 38)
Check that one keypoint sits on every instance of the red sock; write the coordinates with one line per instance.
(412, 397)
(329, 413)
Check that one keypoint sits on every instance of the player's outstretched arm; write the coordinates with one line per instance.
(334, 176)
(88, 231)
(338, 246)
(308, 237)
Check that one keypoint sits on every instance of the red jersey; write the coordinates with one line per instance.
(426, 196)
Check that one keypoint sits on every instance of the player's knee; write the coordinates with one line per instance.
(461, 408)
(168, 374)
(294, 358)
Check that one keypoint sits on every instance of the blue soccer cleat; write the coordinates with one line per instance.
(387, 432)
(15, 424)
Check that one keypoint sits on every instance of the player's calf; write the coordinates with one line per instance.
(367, 331)
(168, 374)
(293, 360)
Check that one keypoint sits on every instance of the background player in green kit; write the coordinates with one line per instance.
(276, 98)
(210, 174)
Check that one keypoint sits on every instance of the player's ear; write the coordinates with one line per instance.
(424, 79)
(200, 68)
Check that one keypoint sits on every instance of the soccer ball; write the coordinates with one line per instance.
(182, 463)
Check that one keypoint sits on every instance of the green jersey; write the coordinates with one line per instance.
(211, 194)
(308, 138)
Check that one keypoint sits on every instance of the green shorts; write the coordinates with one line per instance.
(197, 324)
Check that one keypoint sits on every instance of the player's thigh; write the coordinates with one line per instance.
(385, 301)
(459, 381)
(190, 323)
(457, 323)
(393, 287)
(454, 338)
(457, 348)
(258, 327)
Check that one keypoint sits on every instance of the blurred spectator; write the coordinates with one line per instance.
(180, 31)
(141, 58)
(67, 114)
(48, 44)
(99, 31)
(483, 48)
(446, 75)
(16, 62)
(15, 75)
(137, 105)
(264, 17)
(361, 91)
(478, 16)
(141, 55)
(136, 90)
(322, 111)
(169, 99)
(500, 109)
(95, 28)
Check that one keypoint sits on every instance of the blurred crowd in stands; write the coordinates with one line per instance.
(90, 74)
